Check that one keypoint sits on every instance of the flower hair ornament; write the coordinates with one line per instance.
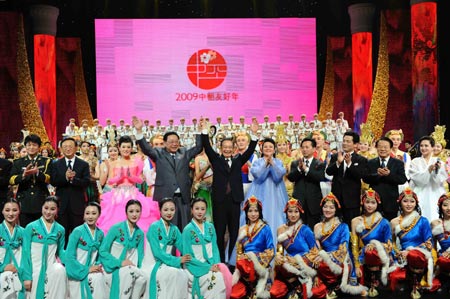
(330, 197)
(252, 201)
(395, 132)
(443, 197)
(408, 193)
(370, 194)
(291, 203)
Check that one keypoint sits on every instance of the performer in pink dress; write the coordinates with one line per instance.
(123, 176)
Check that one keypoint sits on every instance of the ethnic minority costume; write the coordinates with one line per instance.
(295, 275)
(201, 244)
(11, 252)
(413, 234)
(372, 250)
(121, 244)
(255, 251)
(164, 268)
(441, 234)
(42, 247)
(335, 269)
(113, 202)
(81, 254)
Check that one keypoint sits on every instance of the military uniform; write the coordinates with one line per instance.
(32, 189)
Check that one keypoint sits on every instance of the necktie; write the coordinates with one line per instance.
(307, 162)
(69, 164)
(383, 163)
(228, 162)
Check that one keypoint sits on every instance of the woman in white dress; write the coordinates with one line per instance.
(427, 175)
(12, 265)
(86, 277)
(163, 266)
(121, 255)
(44, 247)
(206, 274)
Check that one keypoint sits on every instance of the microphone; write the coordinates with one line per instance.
(437, 165)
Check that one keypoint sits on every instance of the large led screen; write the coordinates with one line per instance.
(173, 68)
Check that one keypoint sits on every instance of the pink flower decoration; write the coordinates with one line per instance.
(197, 240)
(121, 239)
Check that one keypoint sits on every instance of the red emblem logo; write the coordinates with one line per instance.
(206, 69)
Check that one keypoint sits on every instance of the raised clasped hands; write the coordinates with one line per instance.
(137, 124)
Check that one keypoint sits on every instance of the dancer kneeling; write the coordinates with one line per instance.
(165, 268)
(371, 244)
(441, 233)
(255, 251)
(412, 246)
(334, 265)
(86, 277)
(296, 251)
(121, 254)
(207, 277)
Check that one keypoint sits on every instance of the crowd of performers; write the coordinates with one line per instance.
(333, 258)
(348, 220)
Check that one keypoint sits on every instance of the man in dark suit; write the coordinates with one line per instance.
(306, 174)
(347, 169)
(172, 170)
(5, 170)
(32, 174)
(384, 176)
(70, 175)
(227, 188)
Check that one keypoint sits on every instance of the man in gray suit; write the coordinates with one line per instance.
(172, 170)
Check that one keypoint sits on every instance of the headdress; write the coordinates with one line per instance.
(366, 133)
(395, 132)
(281, 137)
(2, 150)
(317, 132)
(408, 193)
(443, 197)
(252, 201)
(293, 203)
(438, 135)
(372, 194)
(330, 197)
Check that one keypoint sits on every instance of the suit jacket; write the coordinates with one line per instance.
(172, 173)
(71, 193)
(386, 186)
(5, 170)
(347, 187)
(223, 174)
(32, 189)
(307, 186)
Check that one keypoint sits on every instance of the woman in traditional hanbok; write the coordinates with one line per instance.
(203, 178)
(428, 175)
(121, 255)
(371, 241)
(12, 258)
(124, 174)
(413, 246)
(268, 186)
(294, 261)
(441, 232)
(165, 268)
(333, 260)
(86, 277)
(44, 248)
(255, 251)
(206, 275)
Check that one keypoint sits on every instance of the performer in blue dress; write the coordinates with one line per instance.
(268, 186)
(86, 277)
(163, 267)
(294, 262)
(121, 255)
(255, 251)
(12, 254)
(413, 246)
(441, 232)
(334, 264)
(371, 243)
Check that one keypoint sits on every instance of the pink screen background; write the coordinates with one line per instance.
(142, 68)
